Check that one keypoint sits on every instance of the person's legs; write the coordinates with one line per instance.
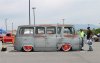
(90, 45)
(90, 48)
(82, 42)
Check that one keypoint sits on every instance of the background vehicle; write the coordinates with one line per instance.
(1, 37)
(96, 38)
(47, 38)
(8, 38)
(0, 45)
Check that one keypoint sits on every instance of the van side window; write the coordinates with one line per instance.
(59, 30)
(26, 31)
(40, 30)
(51, 30)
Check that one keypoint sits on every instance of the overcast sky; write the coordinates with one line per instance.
(50, 12)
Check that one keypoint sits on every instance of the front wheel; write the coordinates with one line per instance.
(66, 47)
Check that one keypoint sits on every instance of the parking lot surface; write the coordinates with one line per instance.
(11, 56)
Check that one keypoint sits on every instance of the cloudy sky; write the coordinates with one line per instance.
(49, 12)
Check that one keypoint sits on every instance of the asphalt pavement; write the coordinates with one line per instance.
(11, 56)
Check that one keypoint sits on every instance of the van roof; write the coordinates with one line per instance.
(47, 25)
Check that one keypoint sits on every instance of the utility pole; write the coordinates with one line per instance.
(29, 14)
(12, 27)
(34, 14)
(63, 21)
(6, 24)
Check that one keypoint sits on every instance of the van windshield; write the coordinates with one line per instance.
(68, 30)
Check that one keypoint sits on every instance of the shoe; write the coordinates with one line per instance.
(90, 50)
(82, 49)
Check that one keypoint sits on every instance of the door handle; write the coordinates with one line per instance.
(62, 38)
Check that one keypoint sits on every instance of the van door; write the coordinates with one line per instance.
(39, 38)
(59, 35)
(51, 38)
(68, 35)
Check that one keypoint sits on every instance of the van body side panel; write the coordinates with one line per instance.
(21, 41)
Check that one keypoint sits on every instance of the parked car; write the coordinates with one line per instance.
(96, 38)
(8, 38)
(0, 45)
(47, 38)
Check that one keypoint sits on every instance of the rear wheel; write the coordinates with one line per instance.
(66, 47)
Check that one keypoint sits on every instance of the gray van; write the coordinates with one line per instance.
(47, 37)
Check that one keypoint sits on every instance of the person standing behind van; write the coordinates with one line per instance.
(89, 38)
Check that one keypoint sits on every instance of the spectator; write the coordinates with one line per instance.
(89, 38)
(82, 35)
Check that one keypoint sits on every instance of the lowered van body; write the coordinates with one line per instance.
(47, 38)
